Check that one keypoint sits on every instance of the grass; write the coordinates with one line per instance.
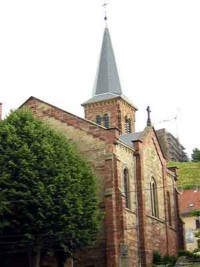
(188, 174)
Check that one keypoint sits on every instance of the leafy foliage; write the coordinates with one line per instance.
(47, 191)
(170, 260)
(196, 213)
(157, 258)
(196, 155)
(197, 234)
(166, 259)
(188, 174)
(189, 254)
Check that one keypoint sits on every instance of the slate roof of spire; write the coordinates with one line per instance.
(107, 83)
(107, 79)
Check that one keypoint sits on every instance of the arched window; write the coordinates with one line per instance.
(106, 121)
(127, 125)
(169, 208)
(154, 198)
(126, 188)
(98, 119)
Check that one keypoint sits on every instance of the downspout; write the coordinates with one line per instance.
(140, 205)
(137, 216)
(165, 206)
(176, 214)
(176, 211)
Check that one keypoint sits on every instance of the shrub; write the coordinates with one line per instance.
(157, 258)
(167, 259)
(189, 254)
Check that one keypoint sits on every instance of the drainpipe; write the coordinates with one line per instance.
(140, 203)
(137, 217)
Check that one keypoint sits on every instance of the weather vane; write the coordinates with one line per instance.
(105, 10)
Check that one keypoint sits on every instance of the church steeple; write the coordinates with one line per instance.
(107, 79)
(108, 106)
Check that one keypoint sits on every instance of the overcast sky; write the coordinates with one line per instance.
(50, 50)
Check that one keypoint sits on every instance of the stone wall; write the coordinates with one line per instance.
(128, 235)
(160, 233)
(124, 231)
(117, 109)
(93, 144)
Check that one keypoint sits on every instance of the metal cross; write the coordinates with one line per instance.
(149, 117)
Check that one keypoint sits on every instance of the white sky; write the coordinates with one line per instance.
(50, 50)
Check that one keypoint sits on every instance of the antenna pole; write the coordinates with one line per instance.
(176, 122)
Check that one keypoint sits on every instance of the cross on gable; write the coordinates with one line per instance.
(148, 116)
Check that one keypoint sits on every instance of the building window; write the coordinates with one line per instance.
(106, 121)
(197, 221)
(98, 119)
(127, 125)
(189, 235)
(154, 198)
(169, 208)
(126, 189)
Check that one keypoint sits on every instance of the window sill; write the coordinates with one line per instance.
(131, 211)
(156, 218)
(172, 228)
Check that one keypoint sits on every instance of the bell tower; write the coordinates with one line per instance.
(108, 107)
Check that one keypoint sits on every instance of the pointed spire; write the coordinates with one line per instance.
(107, 84)
(107, 79)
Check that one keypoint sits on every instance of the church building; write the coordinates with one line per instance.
(137, 192)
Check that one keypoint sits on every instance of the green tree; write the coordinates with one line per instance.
(47, 191)
(196, 155)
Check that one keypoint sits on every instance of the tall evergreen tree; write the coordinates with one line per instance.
(47, 191)
(196, 155)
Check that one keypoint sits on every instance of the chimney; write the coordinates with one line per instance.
(174, 169)
(0, 111)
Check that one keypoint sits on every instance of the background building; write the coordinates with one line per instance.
(190, 202)
(171, 146)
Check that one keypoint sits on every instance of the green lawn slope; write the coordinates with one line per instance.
(188, 174)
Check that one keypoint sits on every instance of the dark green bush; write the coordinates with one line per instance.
(167, 259)
(189, 254)
(157, 258)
